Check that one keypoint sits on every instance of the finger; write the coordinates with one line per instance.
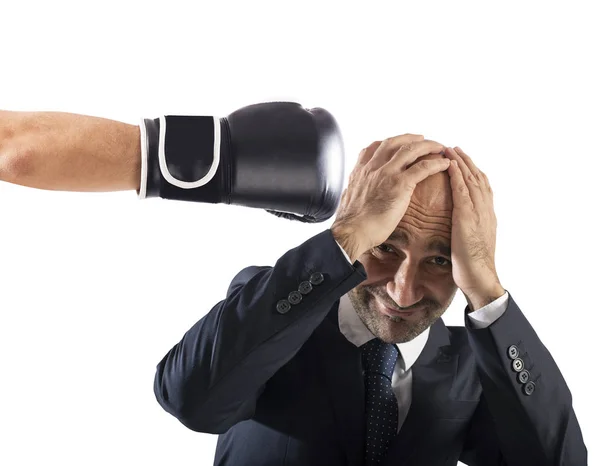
(468, 162)
(406, 138)
(389, 146)
(422, 169)
(471, 181)
(408, 153)
(366, 154)
(460, 192)
(481, 177)
(487, 183)
(464, 168)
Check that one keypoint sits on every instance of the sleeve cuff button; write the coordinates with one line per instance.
(513, 352)
(316, 278)
(529, 388)
(517, 365)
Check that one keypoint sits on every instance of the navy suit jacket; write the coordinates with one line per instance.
(282, 385)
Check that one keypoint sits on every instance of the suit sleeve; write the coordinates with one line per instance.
(525, 415)
(213, 377)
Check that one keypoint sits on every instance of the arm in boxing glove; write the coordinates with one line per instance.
(68, 152)
(277, 156)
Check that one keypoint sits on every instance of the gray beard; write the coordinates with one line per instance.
(405, 332)
(395, 319)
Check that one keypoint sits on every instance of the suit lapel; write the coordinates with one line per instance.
(432, 375)
(341, 371)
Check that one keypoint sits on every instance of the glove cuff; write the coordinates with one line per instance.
(181, 157)
(144, 160)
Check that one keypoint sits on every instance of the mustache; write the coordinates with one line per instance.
(425, 303)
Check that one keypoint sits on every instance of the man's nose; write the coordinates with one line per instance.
(405, 287)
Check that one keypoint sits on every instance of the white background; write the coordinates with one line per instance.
(96, 288)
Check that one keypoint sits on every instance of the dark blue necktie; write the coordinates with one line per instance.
(381, 408)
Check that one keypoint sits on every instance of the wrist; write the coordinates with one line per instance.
(348, 240)
(484, 296)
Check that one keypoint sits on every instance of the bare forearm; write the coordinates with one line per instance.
(68, 152)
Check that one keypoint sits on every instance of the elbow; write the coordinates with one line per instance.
(193, 408)
(203, 425)
(170, 395)
(16, 162)
(16, 148)
(188, 406)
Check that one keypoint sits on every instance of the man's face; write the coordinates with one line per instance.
(405, 273)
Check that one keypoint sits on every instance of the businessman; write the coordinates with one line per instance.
(337, 355)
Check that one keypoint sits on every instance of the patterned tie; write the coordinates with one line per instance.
(378, 360)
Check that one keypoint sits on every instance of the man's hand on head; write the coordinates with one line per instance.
(473, 231)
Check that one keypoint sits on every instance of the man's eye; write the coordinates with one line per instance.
(445, 263)
(439, 261)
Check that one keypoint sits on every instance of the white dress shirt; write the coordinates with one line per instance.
(358, 334)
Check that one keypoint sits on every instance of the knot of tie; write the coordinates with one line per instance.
(379, 357)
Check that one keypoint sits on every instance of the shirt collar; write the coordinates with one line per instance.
(358, 334)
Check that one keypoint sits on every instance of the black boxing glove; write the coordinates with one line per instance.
(276, 156)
